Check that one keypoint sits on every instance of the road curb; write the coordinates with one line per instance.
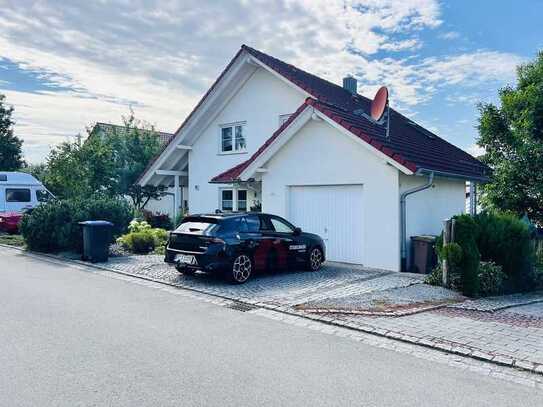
(440, 345)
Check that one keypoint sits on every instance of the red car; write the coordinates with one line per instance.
(9, 221)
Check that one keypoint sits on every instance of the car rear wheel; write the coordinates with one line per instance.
(242, 269)
(315, 259)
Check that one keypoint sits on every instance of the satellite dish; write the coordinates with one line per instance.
(379, 103)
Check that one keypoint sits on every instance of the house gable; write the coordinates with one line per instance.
(256, 107)
(310, 159)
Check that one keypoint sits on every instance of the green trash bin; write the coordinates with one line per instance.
(423, 257)
(96, 239)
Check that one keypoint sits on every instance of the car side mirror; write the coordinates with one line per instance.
(297, 231)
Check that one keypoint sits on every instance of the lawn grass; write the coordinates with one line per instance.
(12, 240)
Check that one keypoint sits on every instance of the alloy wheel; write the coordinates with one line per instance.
(315, 259)
(241, 270)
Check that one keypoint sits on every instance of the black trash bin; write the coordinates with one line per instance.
(96, 240)
(423, 255)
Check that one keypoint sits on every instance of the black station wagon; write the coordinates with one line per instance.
(238, 244)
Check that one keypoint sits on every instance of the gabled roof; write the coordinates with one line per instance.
(108, 129)
(409, 144)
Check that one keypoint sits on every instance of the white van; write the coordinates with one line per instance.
(20, 191)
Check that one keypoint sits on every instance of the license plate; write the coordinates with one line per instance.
(185, 258)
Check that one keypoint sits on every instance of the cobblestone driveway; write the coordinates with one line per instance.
(277, 289)
(501, 329)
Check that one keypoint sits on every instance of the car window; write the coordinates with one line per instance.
(253, 224)
(265, 224)
(17, 195)
(229, 226)
(243, 228)
(197, 226)
(281, 226)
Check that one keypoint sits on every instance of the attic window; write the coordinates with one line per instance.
(421, 129)
(3, 177)
(232, 138)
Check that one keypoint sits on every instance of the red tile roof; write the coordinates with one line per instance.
(408, 143)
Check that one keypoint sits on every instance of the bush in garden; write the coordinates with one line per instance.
(505, 240)
(435, 277)
(48, 227)
(465, 233)
(54, 226)
(142, 239)
(139, 242)
(138, 226)
(491, 278)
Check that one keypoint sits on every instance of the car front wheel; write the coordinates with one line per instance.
(314, 262)
(242, 269)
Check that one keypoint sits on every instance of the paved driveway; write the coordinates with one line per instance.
(279, 289)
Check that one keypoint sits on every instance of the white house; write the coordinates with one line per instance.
(267, 133)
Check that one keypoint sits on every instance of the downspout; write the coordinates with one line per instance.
(403, 218)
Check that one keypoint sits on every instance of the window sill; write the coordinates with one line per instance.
(232, 152)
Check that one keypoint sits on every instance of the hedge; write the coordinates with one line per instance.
(54, 226)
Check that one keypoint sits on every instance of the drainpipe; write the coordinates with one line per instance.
(403, 218)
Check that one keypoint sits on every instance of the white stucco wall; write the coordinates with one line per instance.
(427, 209)
(165, 204)
(259, 103)
(320, 155)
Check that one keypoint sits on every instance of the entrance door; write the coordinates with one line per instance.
(334, 212)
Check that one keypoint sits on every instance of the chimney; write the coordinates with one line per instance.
(350, 84)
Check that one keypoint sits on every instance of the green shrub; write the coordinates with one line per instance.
(465, 233)
(143, 239)
(505, 240)
(54, 226)
(139, 242)
(435, 277)
(138, 226)
(491, 278)
(453, 253)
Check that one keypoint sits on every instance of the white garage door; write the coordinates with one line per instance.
(333, 212)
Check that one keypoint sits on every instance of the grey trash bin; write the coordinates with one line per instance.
(423, 257)
(96, 239)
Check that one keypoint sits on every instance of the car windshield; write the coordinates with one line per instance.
(197, 226)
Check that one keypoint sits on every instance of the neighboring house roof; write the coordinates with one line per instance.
(108, 129)
(408, 143)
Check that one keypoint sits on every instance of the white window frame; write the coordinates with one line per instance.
(243, 126)
(234, 198)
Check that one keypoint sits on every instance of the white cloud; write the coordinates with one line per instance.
(449, 35)
(162, 56)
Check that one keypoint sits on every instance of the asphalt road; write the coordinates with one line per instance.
(74, 338)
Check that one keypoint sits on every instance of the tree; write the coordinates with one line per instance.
(106, 163)
(11, 156)
(134, 145)
(38, 171)
(141, 196)
(75, 170)
(512, 136)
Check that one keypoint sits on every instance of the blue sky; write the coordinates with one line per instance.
(64, 68)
